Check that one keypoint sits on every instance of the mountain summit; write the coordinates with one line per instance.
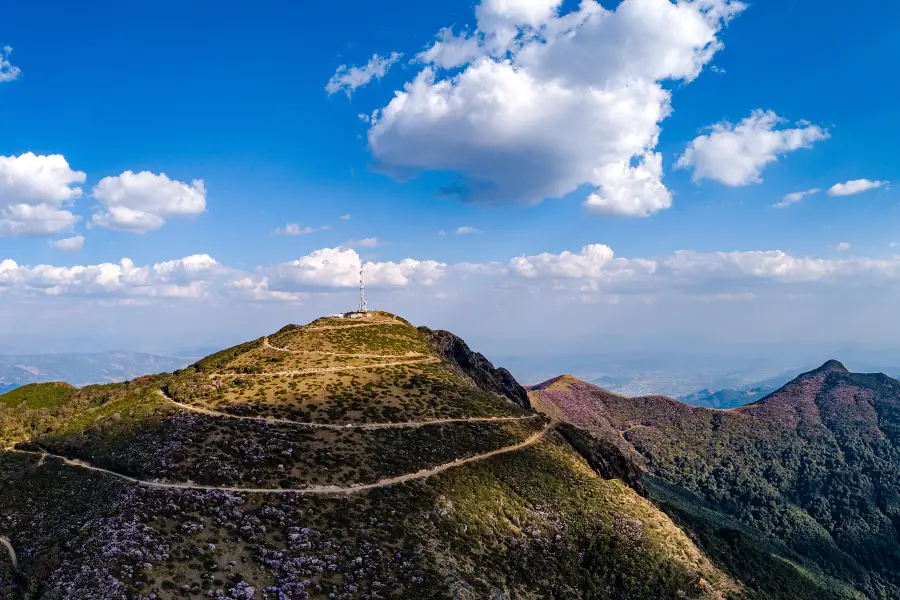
(348, 458)
(831, 366)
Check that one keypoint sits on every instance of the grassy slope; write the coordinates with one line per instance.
(531, 524)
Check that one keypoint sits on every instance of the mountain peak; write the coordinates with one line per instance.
(831, 366)
(560, 382)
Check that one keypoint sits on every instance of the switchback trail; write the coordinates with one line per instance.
(12, 553)
(316, 370)
(267, 344)
(314, 490)
(400, 425)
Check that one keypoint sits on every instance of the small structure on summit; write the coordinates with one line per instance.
(363, 310)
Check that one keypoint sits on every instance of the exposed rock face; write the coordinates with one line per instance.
(605, 457)
(475, 367)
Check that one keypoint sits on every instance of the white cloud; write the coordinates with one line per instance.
(8, 71)
(547, 103)
(72, 244)
(141, 202)
(35, 192)
(586, 264)
(794, 197)
(465, 229)
(188, 277)
(348, 79)
(339, 268)
(370, 242)
(736, 154)
(892, 245)
(345, 217)
(842, 246)
(855, 186)
(293, 229)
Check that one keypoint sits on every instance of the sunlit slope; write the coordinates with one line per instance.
(333, 475)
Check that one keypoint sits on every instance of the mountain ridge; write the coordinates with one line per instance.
(813, 467)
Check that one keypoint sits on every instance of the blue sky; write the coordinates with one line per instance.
(234, 95)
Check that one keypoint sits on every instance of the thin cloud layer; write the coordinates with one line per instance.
(735, 155)
(794, 198)
(8, 71)
(348, 79)
(547, 102)
(72, 244)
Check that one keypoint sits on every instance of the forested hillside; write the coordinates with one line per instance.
(797, 495)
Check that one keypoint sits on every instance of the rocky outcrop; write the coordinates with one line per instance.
(475, 367)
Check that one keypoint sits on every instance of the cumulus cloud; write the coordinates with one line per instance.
(586, 264)
(592, 274)
(141, 202)
(35, 193)
(345, 217)
(856, 186)
(842, 246)
(8, 71)
(348, 79)
(547, 103)
(71, 244)
(703, 275)
(339, 268)
(736, 154)
(188, 277)
(794, 197)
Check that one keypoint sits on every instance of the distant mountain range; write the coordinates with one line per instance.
(82, 369)
(724, 399)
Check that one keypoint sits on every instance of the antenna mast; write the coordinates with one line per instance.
(363, 307)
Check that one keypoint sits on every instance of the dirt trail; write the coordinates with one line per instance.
(314, 490)
(267, 344)
(12, 553)
(388, 425)
(351, 326)
(317, 370)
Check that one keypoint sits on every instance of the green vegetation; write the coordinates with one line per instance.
(537, 522)
(797, 496)
(38, 395)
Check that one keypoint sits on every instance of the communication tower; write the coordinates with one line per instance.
(363, 307)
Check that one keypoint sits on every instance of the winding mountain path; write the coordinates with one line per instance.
(12, 553)
(317, 370)
(314, 490)
(388, 425)
(267, 344)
